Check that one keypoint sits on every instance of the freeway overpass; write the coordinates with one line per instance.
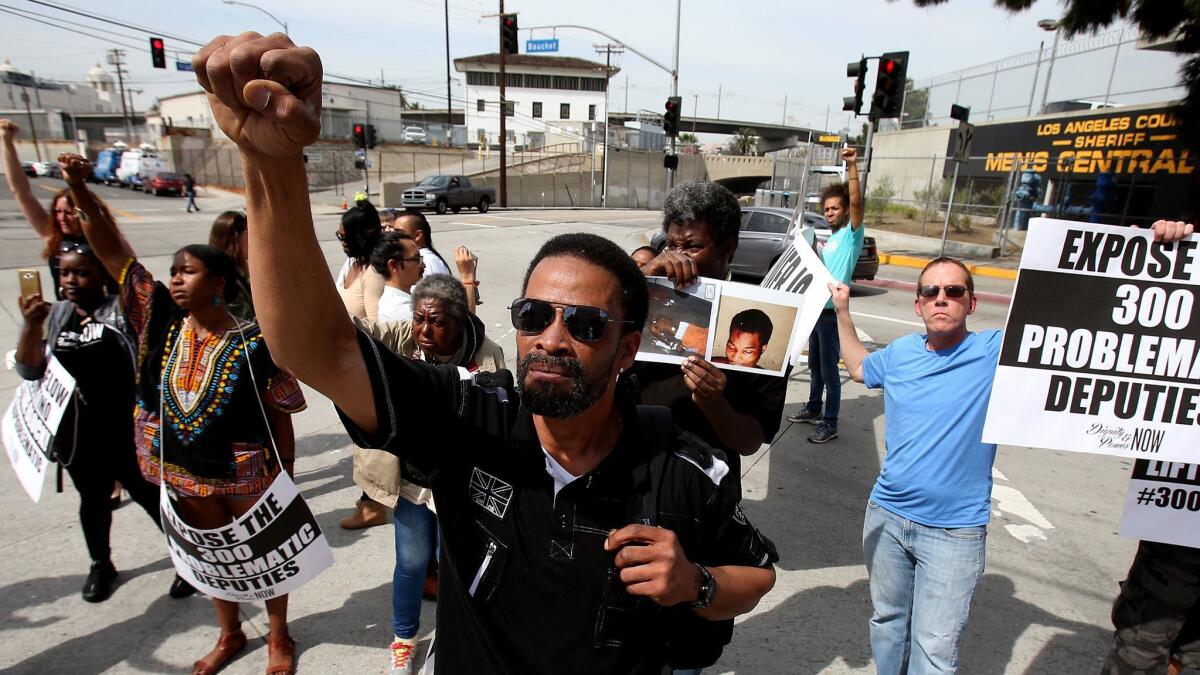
(773, 136)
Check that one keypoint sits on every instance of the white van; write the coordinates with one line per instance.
(139, 166)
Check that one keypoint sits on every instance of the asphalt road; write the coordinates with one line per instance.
(1054, 558)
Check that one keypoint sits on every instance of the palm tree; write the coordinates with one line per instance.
(689, 138)
(745, 140)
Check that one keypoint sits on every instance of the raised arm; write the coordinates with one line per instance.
(467, 263)
(18, 182)
(857, 208)
(31, 346)
(266, 95)
(101, 232)
(853, 351)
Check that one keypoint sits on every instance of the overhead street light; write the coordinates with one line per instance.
(1052, 26)
(273, 17)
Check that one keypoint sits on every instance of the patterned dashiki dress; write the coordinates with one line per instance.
(217, 442)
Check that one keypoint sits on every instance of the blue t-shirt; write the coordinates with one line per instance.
(841, 252)
(937, 470)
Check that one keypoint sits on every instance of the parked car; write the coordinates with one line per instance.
(47, 169)
(764, 234)
(165, 182)
(29, 168)
(415, 135)
(447, 193)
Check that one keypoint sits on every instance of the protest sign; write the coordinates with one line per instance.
(1100, 349)
(799, 271)
(31, 422)
(269, 551)
(731, 325)
(1163, 503)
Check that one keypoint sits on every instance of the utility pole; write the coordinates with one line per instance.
(718, 101)
(675, 83)
(366, 169)
(449, 115)
(32, 127)
(608, 50)
(114, 59)
(784, 109)
(503, 117)
(695, 111)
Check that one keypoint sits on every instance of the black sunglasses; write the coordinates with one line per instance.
(584, 323)
(932, 290)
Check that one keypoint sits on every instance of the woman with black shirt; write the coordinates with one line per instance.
(88, 336)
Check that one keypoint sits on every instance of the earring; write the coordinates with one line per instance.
(216, 301)
(60, 290)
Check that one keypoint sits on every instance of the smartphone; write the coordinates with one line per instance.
(31, 282)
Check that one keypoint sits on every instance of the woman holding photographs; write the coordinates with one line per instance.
(212, 413)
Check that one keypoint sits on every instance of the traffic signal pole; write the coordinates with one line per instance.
(366, 168)
(503, 118)
(674, 84)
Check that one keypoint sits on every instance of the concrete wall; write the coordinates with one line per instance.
(906, 157)
(50, 150)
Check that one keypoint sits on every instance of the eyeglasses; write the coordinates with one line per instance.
(932, 290)
(584, 323)
(340, 236)
(74, 247)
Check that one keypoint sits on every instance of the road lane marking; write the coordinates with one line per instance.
(523, 220)
(916, 324)
(490, 227)
(120, 212)
(1009, 501)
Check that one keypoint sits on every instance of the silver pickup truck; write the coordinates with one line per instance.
(447, 193)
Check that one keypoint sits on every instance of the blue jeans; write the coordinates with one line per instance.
(922, 581)
(416, 541)
(823, 353)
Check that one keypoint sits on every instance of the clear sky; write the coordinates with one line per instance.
(754, 52)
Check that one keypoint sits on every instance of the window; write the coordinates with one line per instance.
(481, 79)
(514, 80)
(592, 83)
(766, 222)
(566, 82)
(480, 105)
(537, 109)
(592, 112)
(564, 111)
(539, 81)
(510, 108)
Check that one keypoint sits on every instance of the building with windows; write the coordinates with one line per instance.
(550, 99)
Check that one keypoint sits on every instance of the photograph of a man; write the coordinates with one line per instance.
(678, 321)
(749, 334)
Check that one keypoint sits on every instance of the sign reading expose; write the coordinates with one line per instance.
(1163, 503)
(1100, 350)
(800, 271)
(269, 551)
(32, 420)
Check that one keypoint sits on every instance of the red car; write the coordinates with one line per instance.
(165, 182)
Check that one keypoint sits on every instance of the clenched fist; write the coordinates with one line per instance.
(265, 92)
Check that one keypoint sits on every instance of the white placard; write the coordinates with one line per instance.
(732, 325)
(1101, 350)
(799, 271)
(273, 549)
(31, 422)
(1163, 503)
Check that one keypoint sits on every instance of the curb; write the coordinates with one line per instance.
(983, 296)
(977, 270)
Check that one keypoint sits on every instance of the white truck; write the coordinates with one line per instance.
(139, 166)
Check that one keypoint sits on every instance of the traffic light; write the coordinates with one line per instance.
(360, 135)
(508, 33)
(671, 162)
(370, 135)
(889, 86)
(857, 70)
(671, 115)
(157, 55)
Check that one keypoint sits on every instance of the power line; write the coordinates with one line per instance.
(97, 17)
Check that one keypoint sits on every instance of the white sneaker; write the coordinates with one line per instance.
(402, 656)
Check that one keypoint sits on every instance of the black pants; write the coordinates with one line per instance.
(1157, 614)
(93, 470)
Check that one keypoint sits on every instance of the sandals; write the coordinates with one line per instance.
(281, 647)
(228, 646)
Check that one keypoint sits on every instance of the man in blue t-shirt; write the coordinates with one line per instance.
(843, 206)
(925, 532)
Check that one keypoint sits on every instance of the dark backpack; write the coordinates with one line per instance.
(692, 641)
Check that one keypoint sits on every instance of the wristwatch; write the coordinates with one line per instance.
(707, 590)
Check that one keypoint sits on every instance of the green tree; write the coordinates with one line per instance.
(689, 138)
(1156, 19)
(744, 141)
(879, 197)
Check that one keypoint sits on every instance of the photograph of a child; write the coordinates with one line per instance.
(678, 321)
(752, 335)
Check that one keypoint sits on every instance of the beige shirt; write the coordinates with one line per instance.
(362, 297)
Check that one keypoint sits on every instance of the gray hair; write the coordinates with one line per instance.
(704, 202)
(445, 288)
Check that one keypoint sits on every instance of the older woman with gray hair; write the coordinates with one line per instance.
(442, 330)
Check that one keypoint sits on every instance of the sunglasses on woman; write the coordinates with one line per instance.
(586, 324)
(932, 290)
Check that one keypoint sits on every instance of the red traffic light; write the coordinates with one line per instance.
(670, 105)
(508, 21)
(156, 43)
(889, 66)
(358, 128)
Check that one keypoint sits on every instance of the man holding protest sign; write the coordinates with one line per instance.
(843, 207)
(543, 571)
(924, 535)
